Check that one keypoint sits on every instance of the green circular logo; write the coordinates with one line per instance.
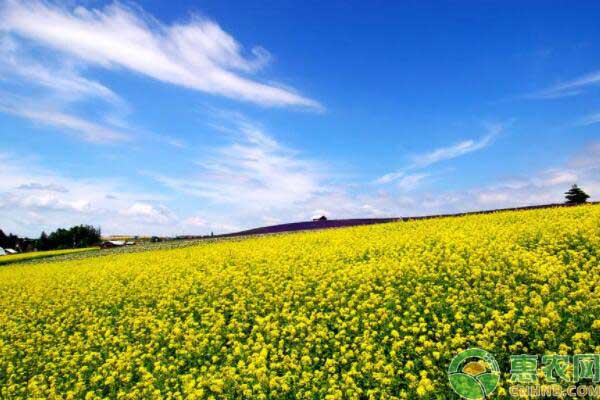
(474, 374)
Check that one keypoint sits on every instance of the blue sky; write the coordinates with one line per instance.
(190, 117)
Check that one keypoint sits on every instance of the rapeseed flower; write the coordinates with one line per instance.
(366, 312)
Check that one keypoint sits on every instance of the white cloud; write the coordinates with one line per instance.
(556, 177)
(44, 94)
(570, 88)
(196, 221)
(48, 202)
(456, 150)
(253, 173)
(150, 212)
(392, 176)
(253, 181)
(542, 187)
(590, 120)
(246, 185)
(492, 199)
(403, 179)
(539, 187)
(371, 211)
(198, 54)
(61, 83)
(28, 207)
(197, 224)
(588, 159)
(410, 182)
(87, 130)
(46, 91)
(424, 160)
(61, 78)
(50, 187)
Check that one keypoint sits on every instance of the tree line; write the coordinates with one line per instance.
(73, 238)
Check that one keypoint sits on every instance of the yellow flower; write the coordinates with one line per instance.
(367, 312)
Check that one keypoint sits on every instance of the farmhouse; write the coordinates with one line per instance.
(109, 244)
(10, 251)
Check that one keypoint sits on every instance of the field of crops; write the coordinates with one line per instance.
(36, 255)
(367, 312)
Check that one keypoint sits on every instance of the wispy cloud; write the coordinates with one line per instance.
(27, 205)
(409, 182)
(253, 172)
(570, 88)
(33, 198)
(403, 179)
(588, 159)
(198, 54)
(589, 120)
(48, 94)
(537, 187)
(42, 94)
(87, 130)
(143, 211)
(420, 161)
(50, 187)
(456, 150)
(63, 79)
(390, 177)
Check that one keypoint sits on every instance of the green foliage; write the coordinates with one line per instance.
(76, 237)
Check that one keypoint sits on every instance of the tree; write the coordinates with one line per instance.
(12, 241)
(43, 243)
(576, 196)
(74, 237)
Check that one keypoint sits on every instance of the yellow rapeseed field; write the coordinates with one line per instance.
(368, 312)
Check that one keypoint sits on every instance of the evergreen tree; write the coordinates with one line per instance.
(576, 196)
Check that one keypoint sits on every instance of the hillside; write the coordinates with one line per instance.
(376, 310)
(343, 223)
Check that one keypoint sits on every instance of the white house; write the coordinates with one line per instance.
(112, 243)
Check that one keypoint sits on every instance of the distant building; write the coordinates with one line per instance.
(109, 244)
(2, 252)
(321, 218)
(10, 251)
